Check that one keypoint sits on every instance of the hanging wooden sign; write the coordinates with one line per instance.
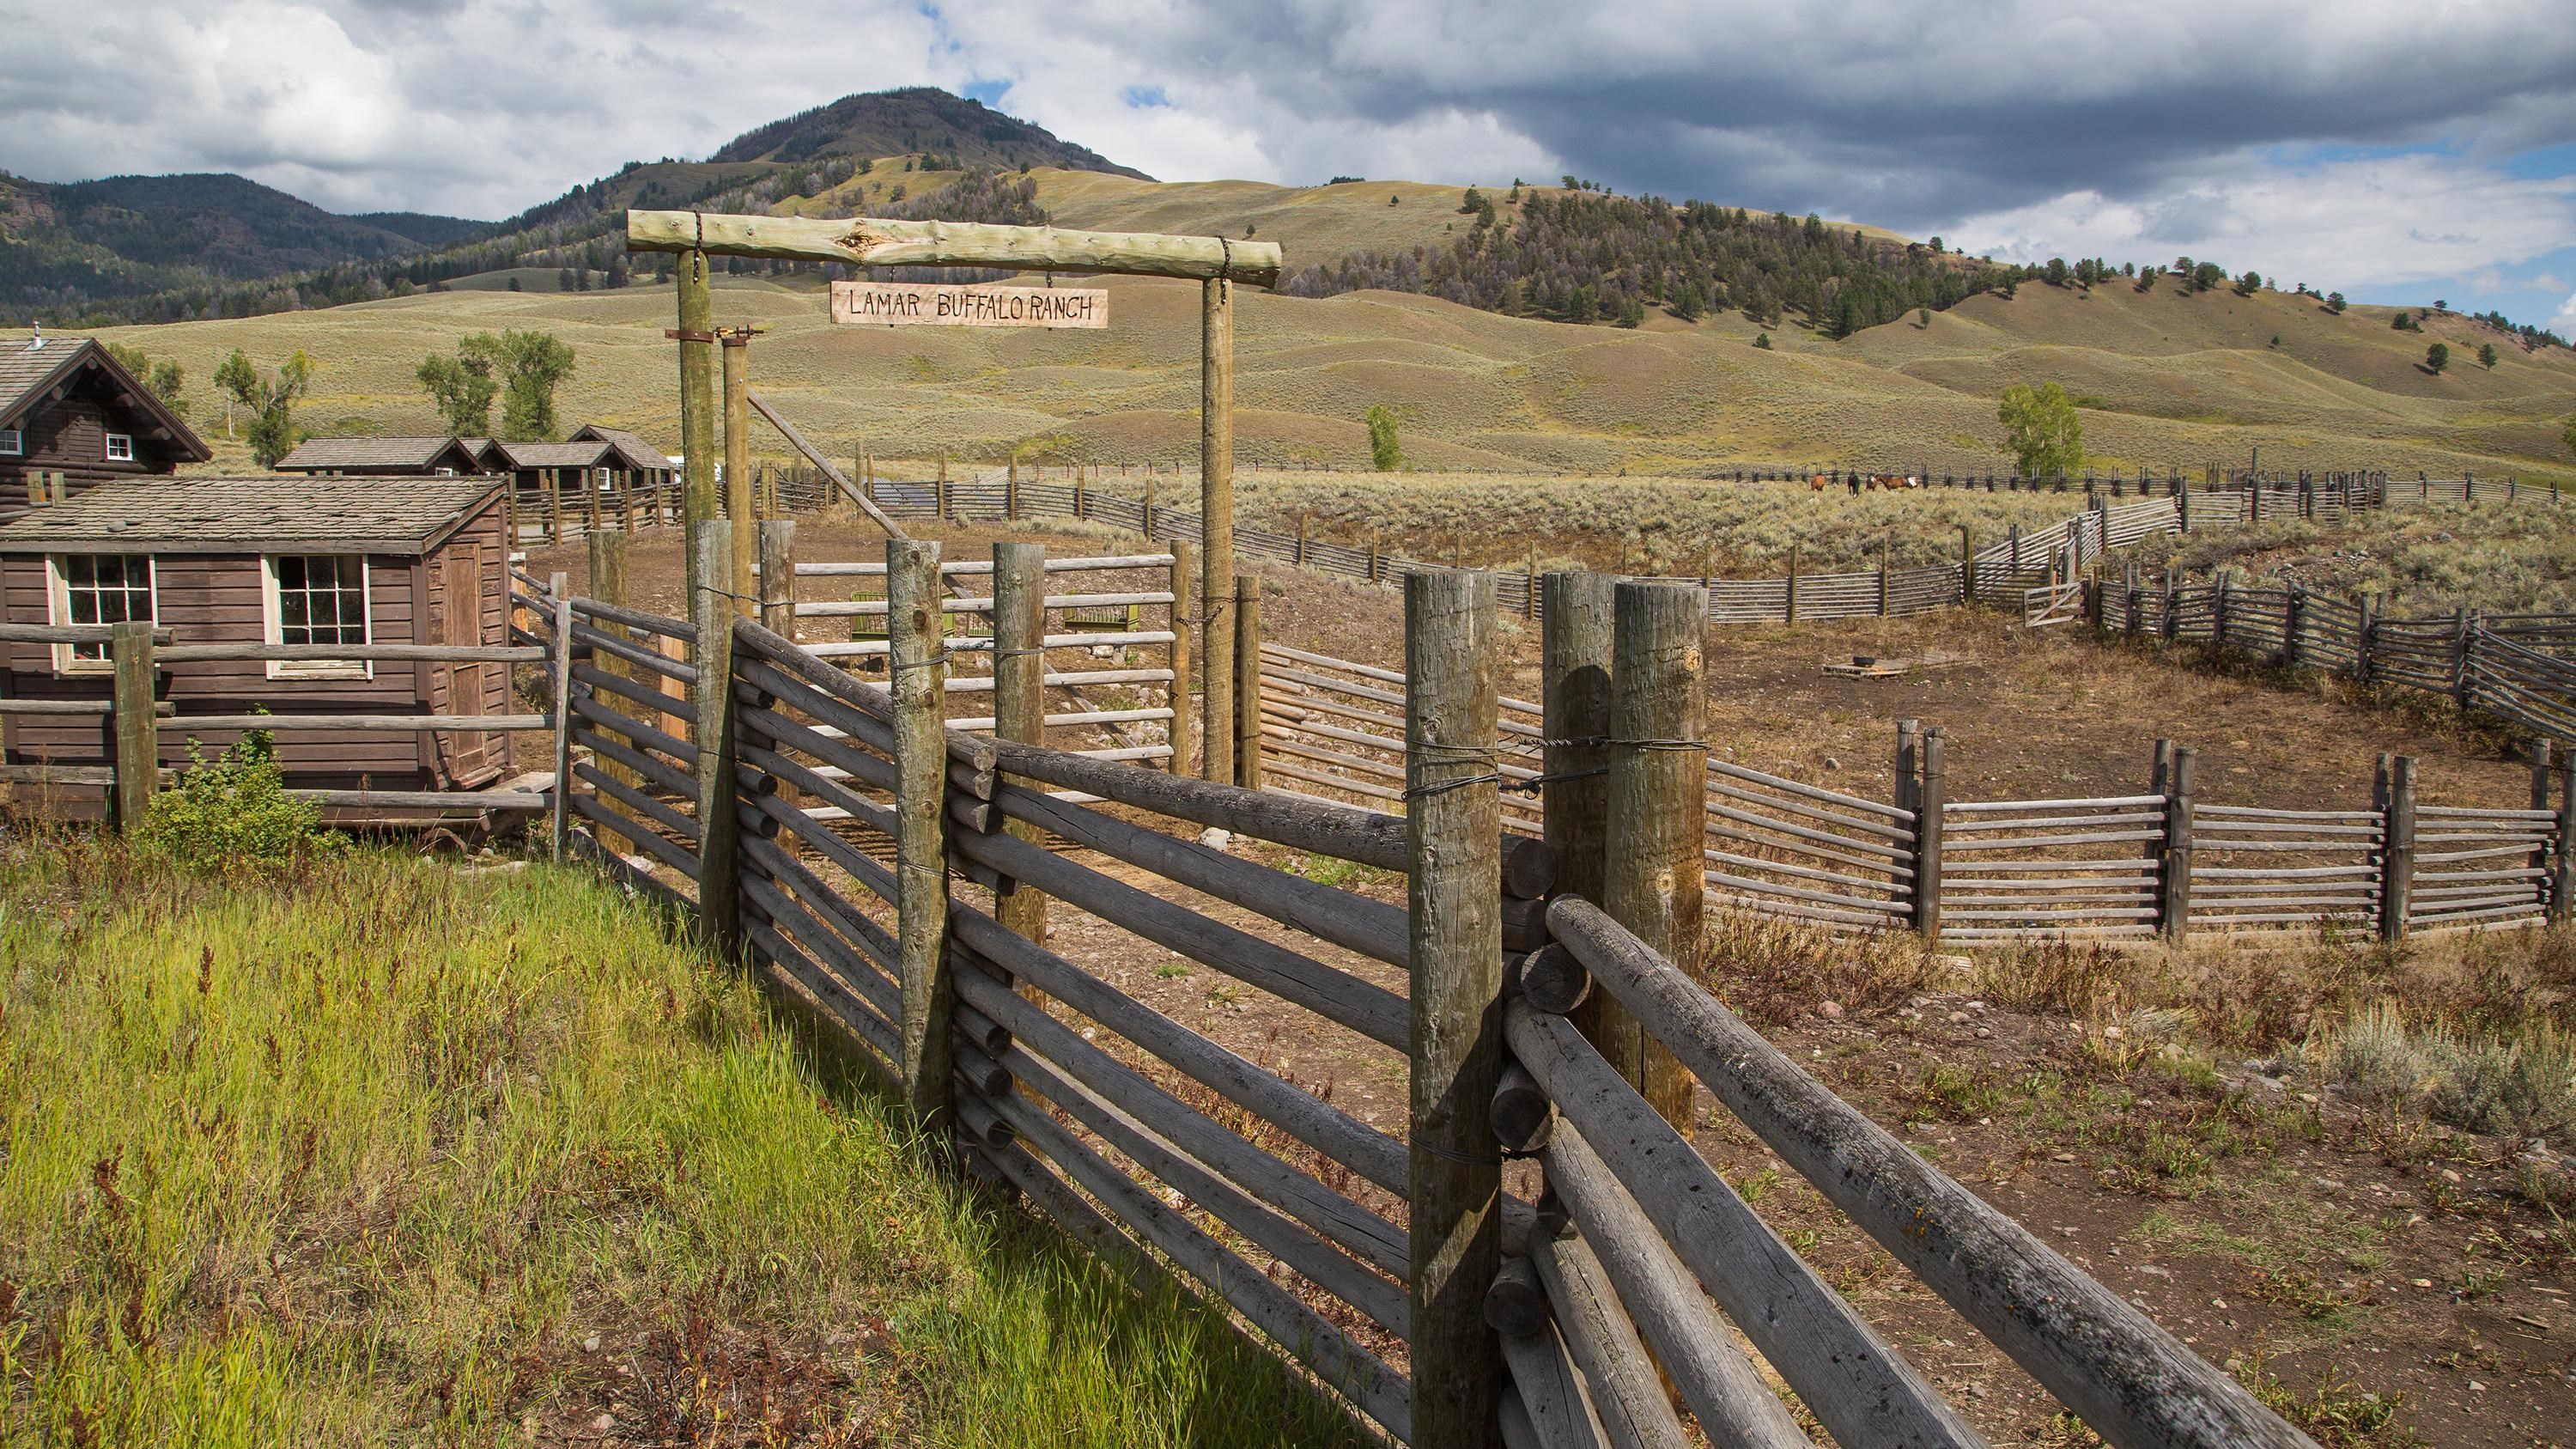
(931, 304)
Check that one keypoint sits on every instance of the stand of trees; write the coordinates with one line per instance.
(1586, 256)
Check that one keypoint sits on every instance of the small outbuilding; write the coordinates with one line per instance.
(271, 560)
(384, 458)
(72, 417)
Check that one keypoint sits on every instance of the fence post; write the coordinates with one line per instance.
(138, 730)
(1575, 633)
(1967, 567)
(1247, 681)
(778, 576)
(916, 630)
(1184, 593)
(2538, 860)
(2361, 642)
(711, 613)
(1927, 836)
(1909, 760)
(1883, 551)
(554, 506)
(1011, 490)
(1453, 827)
(2294, 612)
(1654, 873)
(2173, 886)
(608, 585)
(559, 668)
(2395, 789)
(2562, 879)
(1793, 584)
(1019, 698)
(2464, 659)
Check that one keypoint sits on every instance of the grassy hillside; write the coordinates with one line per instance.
(377, 1152)
(2166, 377)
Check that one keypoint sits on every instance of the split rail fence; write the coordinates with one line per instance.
(892, 874)
(138, 714)
(1972, 872)
(2512, 666)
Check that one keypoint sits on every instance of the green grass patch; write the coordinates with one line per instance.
(375, 1151)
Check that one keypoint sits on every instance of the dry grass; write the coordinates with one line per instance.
(2169, 378)
(2496, 557)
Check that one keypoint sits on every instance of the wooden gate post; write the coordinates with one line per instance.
(1247, 681)
(697, 337)
(1453, 829)
(1184, 592)
(1967, 566)
(1792, 612)
(778, 576)
(2396, 792)
(2174, 780)
(1019, 698)
(916, 629)
(1927, 837)
(2562, 878)
(1216, 519)
(711, 614)
(138, 729)
(1654, 876)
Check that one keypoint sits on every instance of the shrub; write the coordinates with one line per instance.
(2041, 430)
(2437, 357)
(233, 811)
(1763, 341)
(1386, 450)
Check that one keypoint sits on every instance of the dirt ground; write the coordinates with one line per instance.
(2379, 1280)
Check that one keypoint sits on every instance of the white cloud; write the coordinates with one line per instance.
(2361, 223)
(2564, 324)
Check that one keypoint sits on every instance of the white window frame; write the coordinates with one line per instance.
(109, 446)
(13, 442)
(58, 606)
(273, 623)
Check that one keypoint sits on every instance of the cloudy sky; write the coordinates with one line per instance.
(2394, 151)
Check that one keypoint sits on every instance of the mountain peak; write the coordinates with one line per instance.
(909, 121)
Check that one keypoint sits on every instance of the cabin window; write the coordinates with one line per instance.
(98, 588)
(120, 447)
(317, 600)
(13, 443)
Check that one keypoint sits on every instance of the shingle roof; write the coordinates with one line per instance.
(27, 370)
(23, 371)
(557, 455)
(420, 453)
(247, 515)
(637, 452)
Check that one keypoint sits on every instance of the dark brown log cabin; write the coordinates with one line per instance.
(72, 417)
(267, 560)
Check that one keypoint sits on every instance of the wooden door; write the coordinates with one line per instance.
(467, 754)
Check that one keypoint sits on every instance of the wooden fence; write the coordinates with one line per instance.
(892, 874)
(134, 718)
(1987, 871)
(2512, 666)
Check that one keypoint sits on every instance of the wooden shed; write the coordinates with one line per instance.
(72, 417)
(278, 561)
